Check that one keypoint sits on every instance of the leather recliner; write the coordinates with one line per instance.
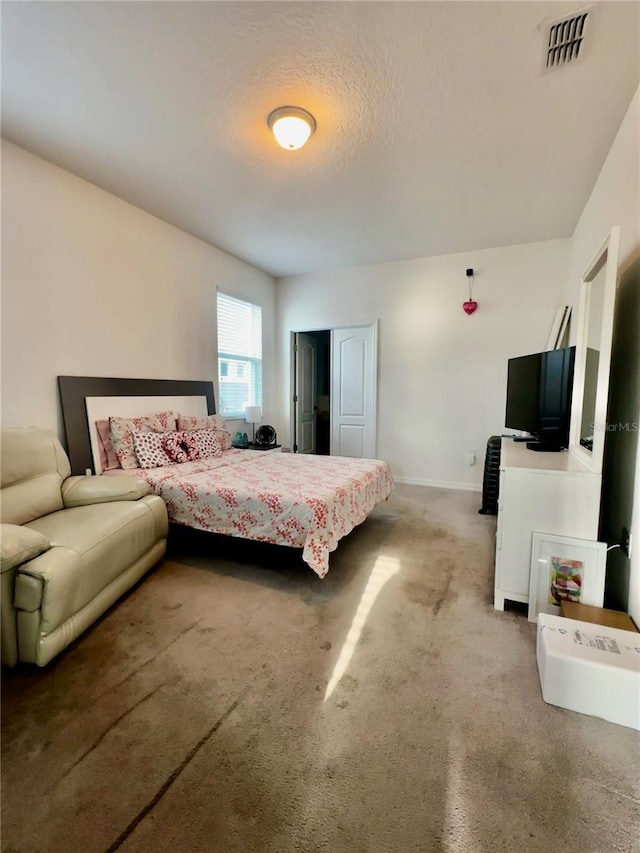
(71, 546)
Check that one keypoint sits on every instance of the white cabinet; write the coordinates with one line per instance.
(539, 492)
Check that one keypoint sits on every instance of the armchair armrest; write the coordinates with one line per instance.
(81, 491)
(20, 544)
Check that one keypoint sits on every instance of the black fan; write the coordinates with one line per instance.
(265, 435)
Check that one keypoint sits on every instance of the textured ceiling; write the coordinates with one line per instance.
(437, 129)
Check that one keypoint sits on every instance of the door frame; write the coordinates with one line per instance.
(292, 370)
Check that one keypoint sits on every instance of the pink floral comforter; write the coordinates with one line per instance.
(307, 502)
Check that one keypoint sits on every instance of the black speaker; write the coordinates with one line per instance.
(491, 480)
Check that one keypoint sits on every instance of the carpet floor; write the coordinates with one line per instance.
(235, 702)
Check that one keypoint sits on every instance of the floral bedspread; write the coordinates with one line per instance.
(307, 502)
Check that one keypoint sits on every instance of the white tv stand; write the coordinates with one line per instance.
(539, 492)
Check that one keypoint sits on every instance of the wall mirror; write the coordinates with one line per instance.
(593, 354)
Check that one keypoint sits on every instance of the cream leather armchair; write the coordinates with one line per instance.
(71, 546)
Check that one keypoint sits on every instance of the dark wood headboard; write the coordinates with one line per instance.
(75, 389)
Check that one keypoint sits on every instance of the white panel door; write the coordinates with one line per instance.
(306, 349)
(353, 391)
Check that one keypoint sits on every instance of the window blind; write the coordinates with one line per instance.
(239, 355)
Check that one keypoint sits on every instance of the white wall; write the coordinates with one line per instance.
(442, 374)
(615, 200)
(93, 286)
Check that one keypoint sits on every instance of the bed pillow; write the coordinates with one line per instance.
(181, 446)
(149, 449)
(208, 442)
(122, 430)
(102, 453)
(224, 438)
(205, 422)
(216, 422)
(108, 458)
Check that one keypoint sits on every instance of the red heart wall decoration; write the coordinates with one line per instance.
(469, 306)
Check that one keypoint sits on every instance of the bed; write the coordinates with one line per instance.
(301, 501)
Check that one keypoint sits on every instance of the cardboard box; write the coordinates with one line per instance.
(597, 615)
(590, 668)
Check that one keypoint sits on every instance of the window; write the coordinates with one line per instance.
(239, 355)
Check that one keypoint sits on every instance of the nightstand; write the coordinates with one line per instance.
(258, 447)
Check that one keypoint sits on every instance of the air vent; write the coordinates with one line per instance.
(565, 37)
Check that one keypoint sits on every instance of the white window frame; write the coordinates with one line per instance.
(234, 360)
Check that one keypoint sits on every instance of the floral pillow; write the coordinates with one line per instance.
(155, 449)
(181, 446)
(122, 430)
(215, 422)
(224, 438)
(206, 422)
(208, 442)
(149, 449)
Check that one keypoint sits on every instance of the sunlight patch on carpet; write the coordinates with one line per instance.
(458, 802)
(383, 569)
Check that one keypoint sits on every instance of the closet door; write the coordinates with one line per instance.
(306, 354)
(354, 362)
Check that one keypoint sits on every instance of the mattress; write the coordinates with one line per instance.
(301, 501)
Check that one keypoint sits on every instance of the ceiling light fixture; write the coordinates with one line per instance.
(291, 126)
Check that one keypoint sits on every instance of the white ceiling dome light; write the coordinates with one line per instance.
(291, 126)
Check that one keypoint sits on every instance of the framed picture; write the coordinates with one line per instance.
(564, 568)
(557, 333)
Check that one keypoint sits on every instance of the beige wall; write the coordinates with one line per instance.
(93, 286)
(441, 374)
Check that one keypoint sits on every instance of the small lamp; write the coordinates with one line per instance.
(253, 415)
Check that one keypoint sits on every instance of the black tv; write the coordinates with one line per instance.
(539, 388)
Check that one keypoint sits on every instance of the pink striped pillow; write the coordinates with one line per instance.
(108, 458)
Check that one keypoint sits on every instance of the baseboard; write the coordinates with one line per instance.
(439, 484)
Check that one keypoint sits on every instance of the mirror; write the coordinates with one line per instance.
(595, 299)
(593, 352)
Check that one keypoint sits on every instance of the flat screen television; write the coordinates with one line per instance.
(539, 388)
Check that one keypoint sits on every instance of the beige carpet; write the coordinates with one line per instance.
(234, 702)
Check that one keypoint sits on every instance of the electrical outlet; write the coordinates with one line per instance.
(625, 542)
(471, 457)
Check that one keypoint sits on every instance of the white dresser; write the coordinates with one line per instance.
(539, 492)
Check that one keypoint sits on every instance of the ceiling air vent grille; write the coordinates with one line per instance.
(565, 40)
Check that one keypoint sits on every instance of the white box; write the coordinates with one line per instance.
(590, 669)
